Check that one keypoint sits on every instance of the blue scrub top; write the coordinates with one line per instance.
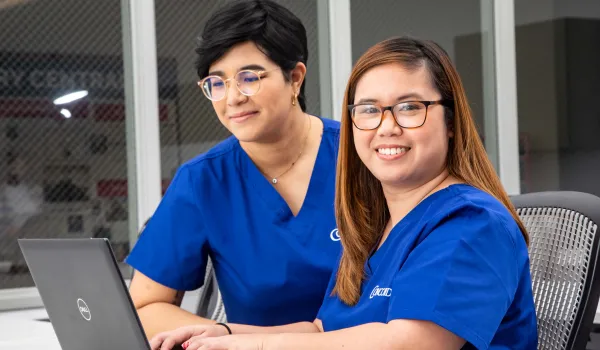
(272, 267)
(458, 260)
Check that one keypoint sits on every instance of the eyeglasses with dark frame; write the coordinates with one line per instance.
(247, 81)
(407, 114)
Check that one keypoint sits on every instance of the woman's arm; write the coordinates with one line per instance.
(168, 340)
(158, 307)
(300, 327)
(396, 335)
(159, 310)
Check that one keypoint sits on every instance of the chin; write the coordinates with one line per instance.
(393, 180)
(245, 136)
(245, 133)
(385, 178)
(388, 173)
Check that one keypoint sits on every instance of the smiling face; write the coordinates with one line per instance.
(260, 116)
(396, 156)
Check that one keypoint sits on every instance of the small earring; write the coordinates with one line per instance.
(294, 100)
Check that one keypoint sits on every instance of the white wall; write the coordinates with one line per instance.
(438, 20)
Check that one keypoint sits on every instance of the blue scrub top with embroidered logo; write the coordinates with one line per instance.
(458, 260)
(272, 267)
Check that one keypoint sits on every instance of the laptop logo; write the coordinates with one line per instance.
(84, 310)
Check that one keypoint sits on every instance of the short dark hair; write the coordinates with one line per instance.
(276, 31)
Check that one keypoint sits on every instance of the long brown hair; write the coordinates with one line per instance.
(360, 205)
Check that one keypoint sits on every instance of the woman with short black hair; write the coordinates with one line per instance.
(261, 203)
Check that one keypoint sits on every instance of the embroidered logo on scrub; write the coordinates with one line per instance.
(334, 235)
(381, 292)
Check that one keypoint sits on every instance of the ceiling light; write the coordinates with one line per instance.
(66, 113)
(70, 97)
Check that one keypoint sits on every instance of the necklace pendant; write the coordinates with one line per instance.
(274, 180)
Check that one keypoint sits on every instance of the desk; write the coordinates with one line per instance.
(20, 332)
(21, 329)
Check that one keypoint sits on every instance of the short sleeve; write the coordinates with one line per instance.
(462, 276)
(172, 250)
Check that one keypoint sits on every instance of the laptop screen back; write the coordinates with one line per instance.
(84, 294)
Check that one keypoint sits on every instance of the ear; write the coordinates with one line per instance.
(297, 76)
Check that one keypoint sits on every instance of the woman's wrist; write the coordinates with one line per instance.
(224, 325)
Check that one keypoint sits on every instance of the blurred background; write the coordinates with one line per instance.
(66, 168)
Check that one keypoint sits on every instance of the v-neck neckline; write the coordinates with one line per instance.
(265, 189)
(412, 216)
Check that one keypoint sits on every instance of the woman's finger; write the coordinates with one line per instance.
(157, 340)
(198, 343)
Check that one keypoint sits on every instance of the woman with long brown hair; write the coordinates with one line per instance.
(434, 254)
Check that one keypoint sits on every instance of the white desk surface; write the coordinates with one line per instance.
(21, 330)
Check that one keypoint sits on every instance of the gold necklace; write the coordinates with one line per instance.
(275, 180)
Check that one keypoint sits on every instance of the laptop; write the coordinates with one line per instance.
(84, 293)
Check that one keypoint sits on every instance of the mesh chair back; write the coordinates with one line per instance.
(210, 303)
(563, 229)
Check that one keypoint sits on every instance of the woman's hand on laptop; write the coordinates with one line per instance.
(168, 340)
(229, 342)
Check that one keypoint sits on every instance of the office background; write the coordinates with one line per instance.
(96, 167)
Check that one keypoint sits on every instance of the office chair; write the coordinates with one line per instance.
(563, 228)
(210, 303)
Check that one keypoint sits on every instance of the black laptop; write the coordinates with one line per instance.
(84, 294)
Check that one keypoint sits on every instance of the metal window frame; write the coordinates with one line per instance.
(490, 125)
(141, 99)
(335, 54)
(505, 67)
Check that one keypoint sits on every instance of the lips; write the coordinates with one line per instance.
(242, 116)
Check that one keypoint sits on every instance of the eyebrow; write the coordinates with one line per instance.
(412, 95)
(246, 67)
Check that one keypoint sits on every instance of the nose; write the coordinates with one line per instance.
(234, 96)
(388, 126)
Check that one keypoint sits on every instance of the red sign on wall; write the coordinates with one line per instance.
(109, 188)
(116, 112)
(28, 108)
